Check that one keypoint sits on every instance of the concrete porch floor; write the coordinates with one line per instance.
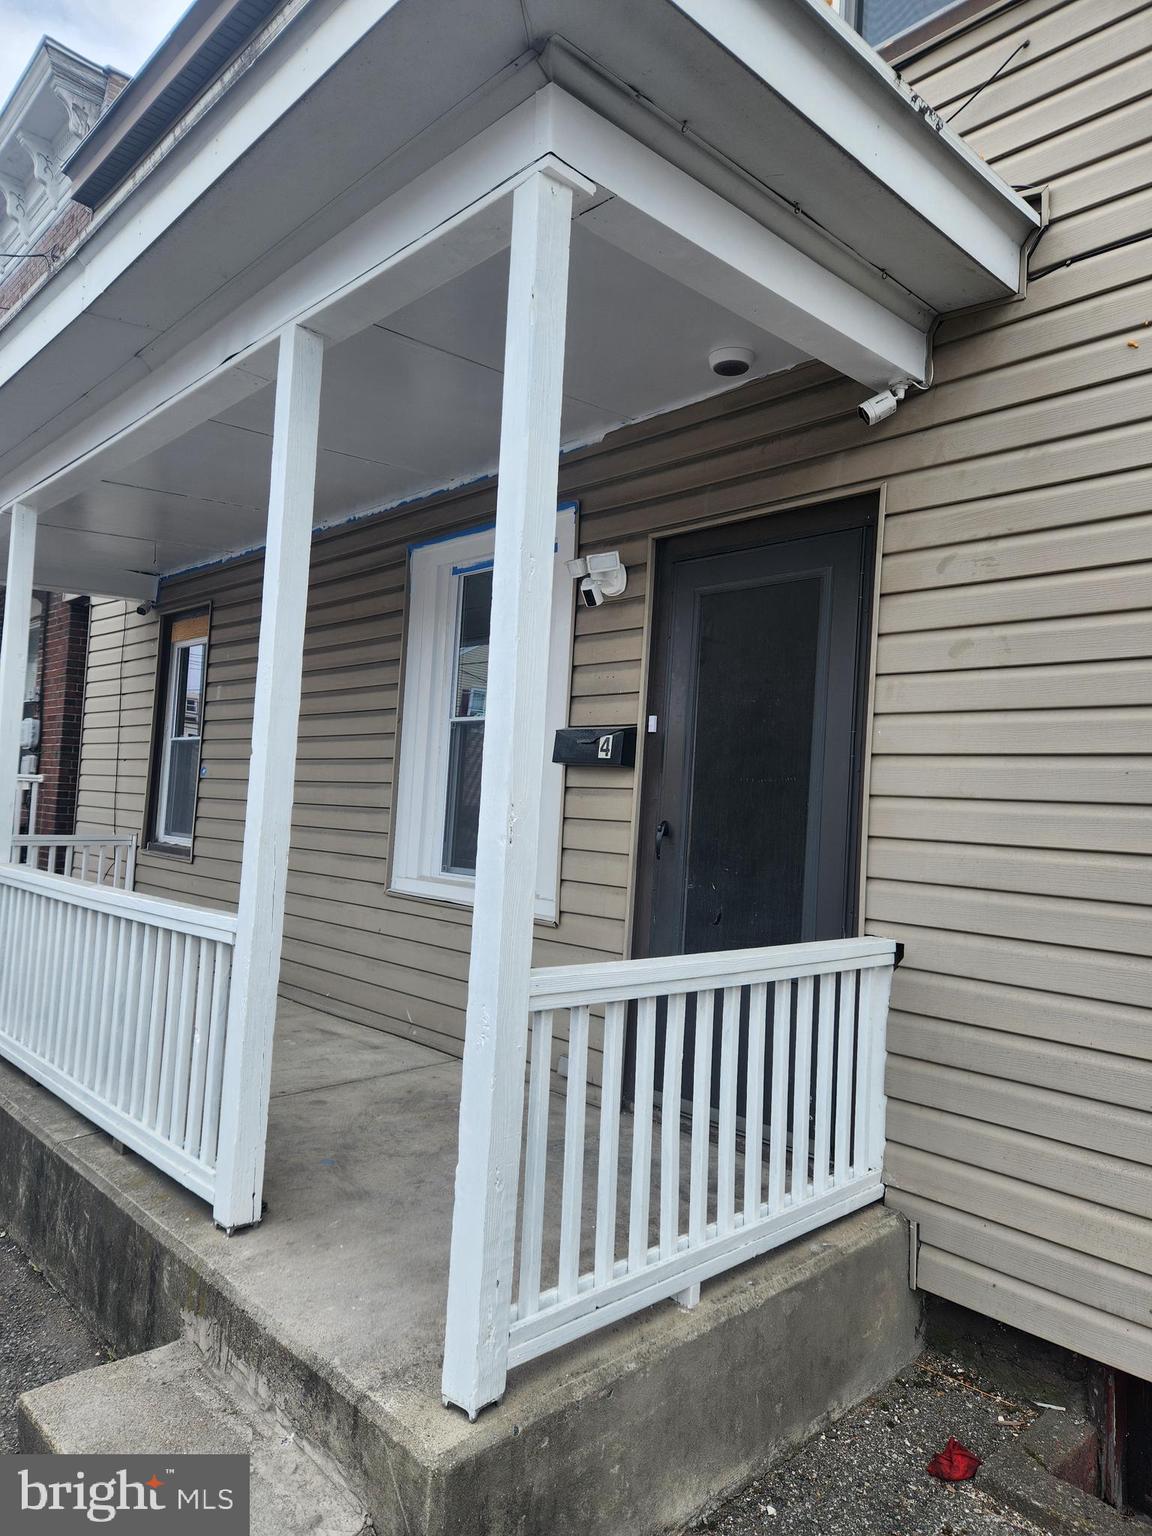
(332, 1310)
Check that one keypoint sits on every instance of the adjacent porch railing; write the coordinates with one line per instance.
(97, 857)
(649, 1202)
(27, 801)
(118, 1003)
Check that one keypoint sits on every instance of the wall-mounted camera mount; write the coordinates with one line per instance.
(600, 576)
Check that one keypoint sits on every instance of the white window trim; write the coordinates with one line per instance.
(422, 773)
(165, 838)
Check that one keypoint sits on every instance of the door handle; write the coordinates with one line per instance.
(662, 831)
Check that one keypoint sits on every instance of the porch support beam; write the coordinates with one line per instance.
(14, 663)
(271, 782)
(491, 1099)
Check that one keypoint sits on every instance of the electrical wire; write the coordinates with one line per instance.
(995, 75)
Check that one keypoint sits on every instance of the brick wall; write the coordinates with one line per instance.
(63, 659)
(61, 709)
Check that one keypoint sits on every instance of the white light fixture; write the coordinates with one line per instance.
(600, 576)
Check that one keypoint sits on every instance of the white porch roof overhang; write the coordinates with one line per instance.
(746, 172)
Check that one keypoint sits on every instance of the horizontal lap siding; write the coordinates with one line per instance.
(1011, 810)
(1010, 807)
(351, 948)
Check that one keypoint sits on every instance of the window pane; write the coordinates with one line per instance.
(465, 753)
(470, 694)
(180, 797)
(882, 19)
(189, 691)
(466, 730)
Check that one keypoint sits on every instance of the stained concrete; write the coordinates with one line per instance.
(168, 1401)
(333, 1308)
(41, 1338)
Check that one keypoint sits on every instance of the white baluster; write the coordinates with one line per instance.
(640, 1196)
(194, 1119)
(825, 1040)
(845, 1084)
(726, 1155)
(608, 1167)
(801, 1090)
(575, 1107)
(701, 1118)
(535, 1163)
(754, 1100)
(222, 966)
(671, 1093)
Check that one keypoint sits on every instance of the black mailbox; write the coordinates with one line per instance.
(591, 746)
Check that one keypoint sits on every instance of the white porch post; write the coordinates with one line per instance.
(271, 780)
(14, 663)
(491, 1099)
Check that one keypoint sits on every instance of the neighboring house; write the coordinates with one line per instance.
(53, 105)
(851, 414)
(53, 712)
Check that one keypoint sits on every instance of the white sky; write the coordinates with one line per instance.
(118, 32)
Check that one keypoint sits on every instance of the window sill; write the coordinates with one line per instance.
(455, 891)
(169, 851)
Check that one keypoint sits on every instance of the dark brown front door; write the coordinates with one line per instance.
(749, 818)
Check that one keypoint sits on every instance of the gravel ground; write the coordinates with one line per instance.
(867, 1475)
(41, 1338)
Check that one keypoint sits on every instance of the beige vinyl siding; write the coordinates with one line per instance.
(1010, 802)
(351, 947)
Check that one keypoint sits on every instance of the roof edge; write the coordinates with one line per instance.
(201, 44)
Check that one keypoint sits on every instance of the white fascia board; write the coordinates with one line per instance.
(718, 250)
(814, 61)
(324, 32)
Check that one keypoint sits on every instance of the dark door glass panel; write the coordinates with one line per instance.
(751, 772)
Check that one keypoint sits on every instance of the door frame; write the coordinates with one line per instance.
(829, 514)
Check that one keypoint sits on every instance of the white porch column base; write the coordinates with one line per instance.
(491, 1099)
(271, 783)
(14, 664)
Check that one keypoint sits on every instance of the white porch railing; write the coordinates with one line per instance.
(97, 857)
(118, 1004)
(647, 1205)
(27, 801)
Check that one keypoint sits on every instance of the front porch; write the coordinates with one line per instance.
(330, 1313)
(513, 257)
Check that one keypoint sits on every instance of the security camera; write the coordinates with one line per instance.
(731, 362)
(144, 609)
(879, 407)
(600, 576)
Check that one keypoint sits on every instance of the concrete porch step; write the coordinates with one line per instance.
(170, 1400)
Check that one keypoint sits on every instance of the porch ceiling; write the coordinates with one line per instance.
(409, 405)
(771, 107)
